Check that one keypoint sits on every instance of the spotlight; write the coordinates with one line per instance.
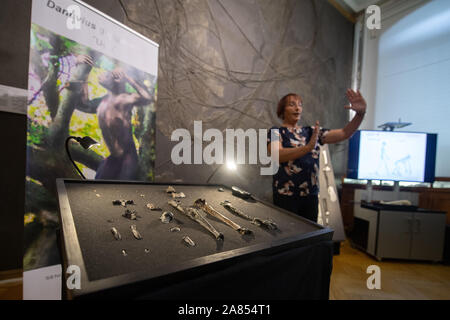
(231, 165)
(86, 143)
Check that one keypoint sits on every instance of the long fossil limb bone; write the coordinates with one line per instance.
(201, 204)
(193, 214)
(269, 224)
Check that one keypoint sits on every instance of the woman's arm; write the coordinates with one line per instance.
(359, 105)
(338, 135)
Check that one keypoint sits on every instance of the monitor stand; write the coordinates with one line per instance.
(369, 189)
(397, 190)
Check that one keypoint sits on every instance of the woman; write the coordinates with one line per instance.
(295, 185)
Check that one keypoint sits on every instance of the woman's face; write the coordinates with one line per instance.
(293, 109)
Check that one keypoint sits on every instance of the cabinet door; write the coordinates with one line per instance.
(371, 216)
(394, 234)
(428, 236)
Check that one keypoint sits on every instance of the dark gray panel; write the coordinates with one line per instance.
(14, 42)
(12, 189)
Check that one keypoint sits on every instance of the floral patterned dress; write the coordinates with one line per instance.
(299, 177)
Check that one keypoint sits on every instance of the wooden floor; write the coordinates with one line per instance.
(11, 285)
(400, 279)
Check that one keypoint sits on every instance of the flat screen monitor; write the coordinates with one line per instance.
(391, 155)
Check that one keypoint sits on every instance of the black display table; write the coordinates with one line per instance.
(293, 262)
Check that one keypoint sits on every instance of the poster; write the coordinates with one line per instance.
(88, 76)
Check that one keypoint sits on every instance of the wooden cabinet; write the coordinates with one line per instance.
(400, 234)
(436, 199)
(429, 198)
(394, 235)
(428, 234)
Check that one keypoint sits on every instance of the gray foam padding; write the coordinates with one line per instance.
(92, 209)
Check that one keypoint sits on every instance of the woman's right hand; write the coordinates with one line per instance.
(315, 135)
(290, 154)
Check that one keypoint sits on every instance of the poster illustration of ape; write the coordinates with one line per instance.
(77, 91)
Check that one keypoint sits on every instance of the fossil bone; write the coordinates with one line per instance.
(193, 214)
(122, 202)
(178, 195)
(188, 241)
(201, 204)
(269, 224)
(170, 189)
(135, 232)
(166, 217)
(132, 215)
(152, 207)
(116, 233)
(176, 205)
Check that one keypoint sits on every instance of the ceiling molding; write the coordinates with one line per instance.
(358, 6)
(352, 9)
(344, 10)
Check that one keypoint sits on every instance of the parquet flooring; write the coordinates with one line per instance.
(400, 279)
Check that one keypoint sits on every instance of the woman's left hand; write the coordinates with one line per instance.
(357, 102)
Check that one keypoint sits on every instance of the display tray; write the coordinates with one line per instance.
(87, 215)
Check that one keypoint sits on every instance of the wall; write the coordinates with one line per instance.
(405, 70)
(391, 12)
(414, 75)
(227, 63)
